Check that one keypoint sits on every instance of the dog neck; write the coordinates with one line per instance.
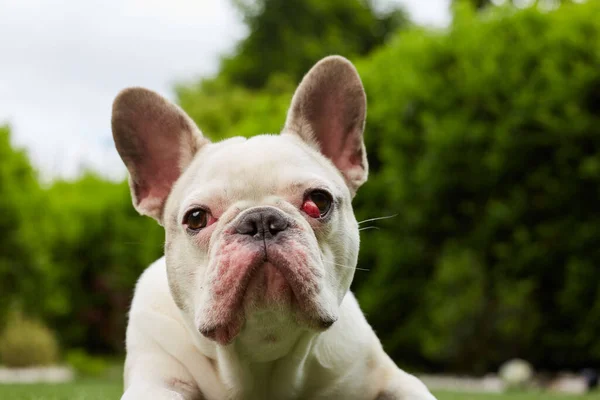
(263, 379)
(270, 354)
(268, 335)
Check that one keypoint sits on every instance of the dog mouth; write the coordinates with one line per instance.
(251, 279)
(264, 285)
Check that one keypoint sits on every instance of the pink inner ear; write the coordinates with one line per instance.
(339, 136)
(351, 156)
(158, 167)
(156, 164)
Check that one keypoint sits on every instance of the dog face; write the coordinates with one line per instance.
(254, 227)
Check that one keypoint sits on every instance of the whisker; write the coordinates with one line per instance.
(377, 218)
(161, 246)
(346, 266)
(369, 227)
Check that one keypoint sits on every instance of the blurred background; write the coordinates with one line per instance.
(483, 137)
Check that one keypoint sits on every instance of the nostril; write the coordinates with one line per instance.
(277, 225)
(248, 226)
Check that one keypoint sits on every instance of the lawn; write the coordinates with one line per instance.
(102, 390)
(84, 390)
(513, 396)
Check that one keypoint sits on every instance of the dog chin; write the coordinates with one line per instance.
(267, 289)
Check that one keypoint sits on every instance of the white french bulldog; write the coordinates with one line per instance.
(252, 300)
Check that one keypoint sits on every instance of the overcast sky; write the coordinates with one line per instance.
(63, 61)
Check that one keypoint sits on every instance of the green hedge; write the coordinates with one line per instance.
(485, 140)
(24, 264)
(100, 247)
(70, 253)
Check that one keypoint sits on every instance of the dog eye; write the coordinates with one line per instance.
(317, 204)
(196, 219)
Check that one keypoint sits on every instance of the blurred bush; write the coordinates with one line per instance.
(27, 343)
(25, 269)
(87, 365)
(100, 246)
(485, 140)
(287, 36)
(223, 110)
(70, 253)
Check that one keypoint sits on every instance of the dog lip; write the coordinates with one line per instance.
(304, 294)
(225, 332)
(325, 323)
(222, 333)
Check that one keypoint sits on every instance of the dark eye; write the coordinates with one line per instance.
(196, 219)
(317, 203)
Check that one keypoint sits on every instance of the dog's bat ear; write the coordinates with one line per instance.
(157, 141)
(328, 111)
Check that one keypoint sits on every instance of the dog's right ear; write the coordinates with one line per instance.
(157, 141)
(328, 112)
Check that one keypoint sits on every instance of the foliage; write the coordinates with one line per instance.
(26, 343)
(100, 247)
(86, 364)
(70, 254)
(287, 36)
(486, 143)
(26, 273)
(222, 110)
(252, 91)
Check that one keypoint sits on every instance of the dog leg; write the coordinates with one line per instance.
(403, 386)
(160, 377)
(148, 391)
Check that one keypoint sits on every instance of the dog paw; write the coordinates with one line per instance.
(151, 392)
(405, 387)
(389, 395)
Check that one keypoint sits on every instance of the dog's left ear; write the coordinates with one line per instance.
(328, 112)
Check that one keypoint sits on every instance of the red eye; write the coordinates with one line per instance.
(317, 204)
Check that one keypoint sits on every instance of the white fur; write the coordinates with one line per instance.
(164, 348)
(345, 362)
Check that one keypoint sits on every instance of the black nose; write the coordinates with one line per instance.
(262, 223)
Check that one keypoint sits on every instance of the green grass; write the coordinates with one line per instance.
(103, 390)
(512, 396)
(82, 390)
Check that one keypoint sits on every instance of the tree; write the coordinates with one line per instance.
(23, 259)
(288, 36)
(489, 141)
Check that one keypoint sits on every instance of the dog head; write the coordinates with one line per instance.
(253, 225)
